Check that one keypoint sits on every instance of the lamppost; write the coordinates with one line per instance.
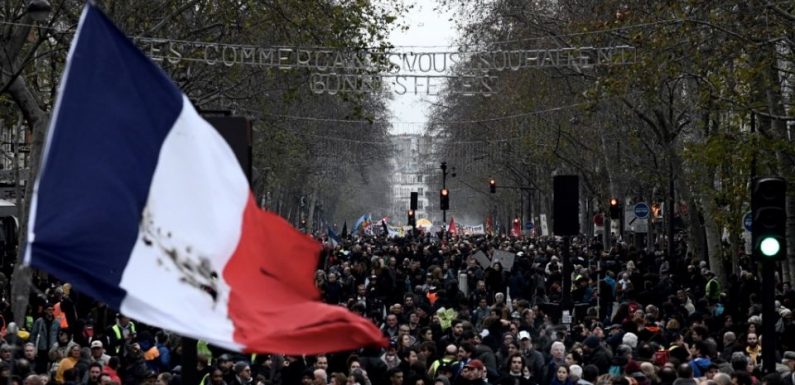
(39, 10)
(445, 194)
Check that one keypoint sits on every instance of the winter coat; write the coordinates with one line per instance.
(43, 335)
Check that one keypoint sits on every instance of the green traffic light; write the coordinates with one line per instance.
(770, 247)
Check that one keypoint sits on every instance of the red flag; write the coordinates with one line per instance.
(453, 228)
(516, 231)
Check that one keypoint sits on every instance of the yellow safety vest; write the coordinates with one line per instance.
(119, 336)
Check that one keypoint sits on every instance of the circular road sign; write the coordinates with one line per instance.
(642, 210)
(748, 219)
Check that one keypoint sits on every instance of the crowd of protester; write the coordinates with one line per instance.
(638, 318)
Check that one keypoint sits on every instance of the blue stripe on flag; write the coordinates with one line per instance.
(114, 111)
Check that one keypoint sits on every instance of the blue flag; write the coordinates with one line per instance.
(333, 237)
(363, 221)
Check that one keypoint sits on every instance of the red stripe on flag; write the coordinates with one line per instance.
(273, 302)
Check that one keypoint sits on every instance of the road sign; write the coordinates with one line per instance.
(748, 218)
(642, 210)
(528, 225)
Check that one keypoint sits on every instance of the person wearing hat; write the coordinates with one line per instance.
(533, 358)
(98, 353)
(472, 373)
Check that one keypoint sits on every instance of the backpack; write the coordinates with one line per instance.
(661, 357)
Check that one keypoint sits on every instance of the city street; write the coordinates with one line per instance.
(401, 192)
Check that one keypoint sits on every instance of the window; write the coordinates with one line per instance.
(419, 178)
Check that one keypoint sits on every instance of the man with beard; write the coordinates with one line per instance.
(94, 373)
(753, 349)
(515, 375)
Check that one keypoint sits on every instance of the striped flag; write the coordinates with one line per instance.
(141, 204)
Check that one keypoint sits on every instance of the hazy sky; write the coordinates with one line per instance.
(427, 27)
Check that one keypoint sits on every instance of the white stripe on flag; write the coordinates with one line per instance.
(198, 193)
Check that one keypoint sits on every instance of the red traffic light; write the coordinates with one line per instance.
(516, 220)
(445, 192)
(615, 210)
(493, 186)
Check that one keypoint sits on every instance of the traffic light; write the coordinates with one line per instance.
(493, 186)
(566, 205)
(615, 209)
(769, 224)
(444, 199)
(412, 220)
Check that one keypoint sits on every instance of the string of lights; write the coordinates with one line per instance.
(456, 45)
(260, 114)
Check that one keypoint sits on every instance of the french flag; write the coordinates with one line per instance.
(141, 204)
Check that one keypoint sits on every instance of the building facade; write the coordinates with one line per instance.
(412, 161)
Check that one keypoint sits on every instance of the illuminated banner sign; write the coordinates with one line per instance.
(364, 71)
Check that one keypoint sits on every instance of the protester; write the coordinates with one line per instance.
(452, 319)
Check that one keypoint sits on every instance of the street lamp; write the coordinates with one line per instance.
(39, 10)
